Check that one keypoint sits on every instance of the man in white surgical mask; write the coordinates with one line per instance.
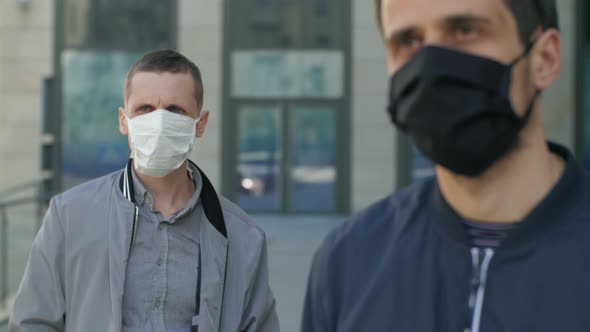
(151, 247)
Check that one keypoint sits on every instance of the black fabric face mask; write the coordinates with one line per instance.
(456, 108)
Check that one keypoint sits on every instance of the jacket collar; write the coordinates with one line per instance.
(209, 197)
(553, 209)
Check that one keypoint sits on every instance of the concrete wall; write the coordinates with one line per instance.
(373, 142)
(559, 100)
(200, 38)
(26, 42)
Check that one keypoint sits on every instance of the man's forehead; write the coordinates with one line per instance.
(161, 78)
(401, 14)
(150, 85)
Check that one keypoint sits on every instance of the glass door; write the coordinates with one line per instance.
(286, 95)
(259, 157)
(286, 158)
(312, 171)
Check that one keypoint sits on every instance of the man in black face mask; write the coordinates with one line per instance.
(499, 239)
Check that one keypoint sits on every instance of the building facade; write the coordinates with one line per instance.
(296, 92)
(26, 44)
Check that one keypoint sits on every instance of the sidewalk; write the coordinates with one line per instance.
(292, 243)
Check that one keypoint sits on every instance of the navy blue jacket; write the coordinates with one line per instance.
(406, 265)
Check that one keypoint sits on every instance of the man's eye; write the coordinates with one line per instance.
(405, 46)
(409, 42)
(466, 33)
(403, 43)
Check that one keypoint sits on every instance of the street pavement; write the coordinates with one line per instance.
(292, 242)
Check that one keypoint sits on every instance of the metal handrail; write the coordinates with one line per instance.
(34, 184)
(4, 256)
(19, 201)
(37, 199)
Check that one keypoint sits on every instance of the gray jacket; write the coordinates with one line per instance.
(76, 270)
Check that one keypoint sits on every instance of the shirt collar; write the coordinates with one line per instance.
(144, 197)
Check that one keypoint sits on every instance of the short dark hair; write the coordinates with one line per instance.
(529, 15)
(166, 61)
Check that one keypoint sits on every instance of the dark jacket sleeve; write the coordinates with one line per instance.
(317, 315)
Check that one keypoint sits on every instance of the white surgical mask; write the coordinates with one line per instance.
(161, 141)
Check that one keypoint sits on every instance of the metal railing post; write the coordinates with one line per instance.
(4, 254)
(38, 217)
(39, 208)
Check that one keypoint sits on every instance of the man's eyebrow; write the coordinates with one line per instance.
(144, 105)
(171, 106)
(455, 19)
(400, 34)
(465, 18)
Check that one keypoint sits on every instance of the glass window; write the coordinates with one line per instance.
(287, 74)
(313, 165)
(118, 24)
(102, 39)
(92, 94)
(259, 158)
(288, 24)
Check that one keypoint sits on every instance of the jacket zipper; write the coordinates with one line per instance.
(223, 292)
(480, 266)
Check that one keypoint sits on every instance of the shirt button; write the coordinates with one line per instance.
(160, 261)
(148, 200)
(157, 303)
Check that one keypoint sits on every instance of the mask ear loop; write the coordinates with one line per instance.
(128, 119)
(527, 50)
(525, 118)
(198, 121)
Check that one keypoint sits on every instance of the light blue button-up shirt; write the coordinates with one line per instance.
(162, 270)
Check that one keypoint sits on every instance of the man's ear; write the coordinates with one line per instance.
(546, 59)
(123, 129)
(202, 123)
